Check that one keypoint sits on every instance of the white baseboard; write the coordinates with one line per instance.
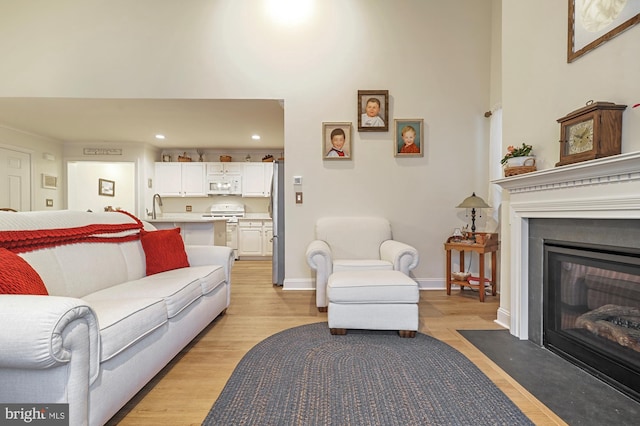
(504, 318)
(299, 284)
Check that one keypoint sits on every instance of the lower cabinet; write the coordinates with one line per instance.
(255, 238)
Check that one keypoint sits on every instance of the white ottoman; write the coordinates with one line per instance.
(373, 300)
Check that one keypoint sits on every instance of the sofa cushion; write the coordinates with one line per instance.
(378, 287)
(178, 288)
(125, 321)
(354, 237)
(360, 265)
(18, 277)
(164, 250)
(212, 277)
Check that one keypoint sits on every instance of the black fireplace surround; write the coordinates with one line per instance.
(584, 295)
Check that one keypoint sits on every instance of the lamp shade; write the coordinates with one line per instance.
(473, 202)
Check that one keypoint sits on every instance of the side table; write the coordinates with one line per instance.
(489, 245)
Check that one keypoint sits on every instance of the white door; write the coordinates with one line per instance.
(15, 180)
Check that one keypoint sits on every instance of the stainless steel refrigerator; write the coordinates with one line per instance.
(276, 208)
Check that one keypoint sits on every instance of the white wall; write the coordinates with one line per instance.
(433, 57)
(539, 86)
(83, 178)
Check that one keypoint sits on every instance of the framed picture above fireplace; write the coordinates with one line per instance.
(594, 22)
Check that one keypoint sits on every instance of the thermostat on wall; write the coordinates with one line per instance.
(297, 180)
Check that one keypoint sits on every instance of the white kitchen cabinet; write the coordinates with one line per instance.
(255, 237)
(180, 179)
(256, 179)
(224, 169)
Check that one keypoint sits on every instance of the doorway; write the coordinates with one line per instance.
(15, 180)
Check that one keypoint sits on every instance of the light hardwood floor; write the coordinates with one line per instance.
(184, 391)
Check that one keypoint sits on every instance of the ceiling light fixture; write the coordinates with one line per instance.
(159, 136)
(255, 137)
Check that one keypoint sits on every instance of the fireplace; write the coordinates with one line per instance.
(591, 305)
(583, 209)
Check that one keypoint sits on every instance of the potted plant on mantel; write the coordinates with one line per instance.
(518, 160)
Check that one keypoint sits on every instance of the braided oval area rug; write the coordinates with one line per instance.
(306, 376)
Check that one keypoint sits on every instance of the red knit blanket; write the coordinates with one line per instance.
(29, 240)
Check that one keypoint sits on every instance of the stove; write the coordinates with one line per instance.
(231, 212)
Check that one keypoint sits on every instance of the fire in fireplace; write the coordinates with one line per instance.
(592, 310)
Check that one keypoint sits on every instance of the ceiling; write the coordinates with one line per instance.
(186, 123)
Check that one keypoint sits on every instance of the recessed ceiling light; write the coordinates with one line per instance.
(159, 136)
(255, 137)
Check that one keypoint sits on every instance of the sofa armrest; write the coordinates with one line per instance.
(40, 332)
(200, 255)
(320, 260)
(402, 256)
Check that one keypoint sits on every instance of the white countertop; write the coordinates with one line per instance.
(197, 217)
(257, 216)
(183, 217)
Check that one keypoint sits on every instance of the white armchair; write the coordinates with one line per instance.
(355, 243)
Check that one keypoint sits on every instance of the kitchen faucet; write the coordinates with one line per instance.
(153, 209)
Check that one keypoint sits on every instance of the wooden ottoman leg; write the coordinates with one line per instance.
(407, 333)
(338, 331)
(322, 308)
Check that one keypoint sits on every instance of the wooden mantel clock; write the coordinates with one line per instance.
(593, 131)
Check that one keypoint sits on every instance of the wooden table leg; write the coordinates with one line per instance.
(481, 280)
(493, 273)
(448, 272)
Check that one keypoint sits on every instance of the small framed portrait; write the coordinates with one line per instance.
(106, 187)
(336, 141)
(373, 110)
(409, 137)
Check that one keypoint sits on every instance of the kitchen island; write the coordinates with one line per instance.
(194, 228)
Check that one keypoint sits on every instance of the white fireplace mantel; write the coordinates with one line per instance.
(605, 188)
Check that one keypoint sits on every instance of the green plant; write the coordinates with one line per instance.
(512, 152)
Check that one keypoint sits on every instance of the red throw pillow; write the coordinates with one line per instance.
(164, 250)
(18, 277)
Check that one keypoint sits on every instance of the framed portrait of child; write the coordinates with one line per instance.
(336, 141)
(409, 137)
(373, 110)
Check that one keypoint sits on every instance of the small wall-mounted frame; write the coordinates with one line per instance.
(593, 23)
(336, 141)
(49, 181)
(409, 137)
(373, 110)
(106, 188)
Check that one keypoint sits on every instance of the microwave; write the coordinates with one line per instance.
(224, 185)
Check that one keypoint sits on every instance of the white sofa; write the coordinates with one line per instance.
(106, 328)
(355, 244)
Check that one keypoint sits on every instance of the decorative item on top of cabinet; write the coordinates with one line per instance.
(593, 131)
(184, 158)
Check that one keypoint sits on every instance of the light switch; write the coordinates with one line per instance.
(298, 197)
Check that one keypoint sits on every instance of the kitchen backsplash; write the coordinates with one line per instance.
(203, 205)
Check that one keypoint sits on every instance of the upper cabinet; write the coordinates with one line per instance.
(192, 179)
(180, 179)
(256, 179)
(222, 169)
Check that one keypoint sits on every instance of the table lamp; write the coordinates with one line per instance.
(474, 202)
